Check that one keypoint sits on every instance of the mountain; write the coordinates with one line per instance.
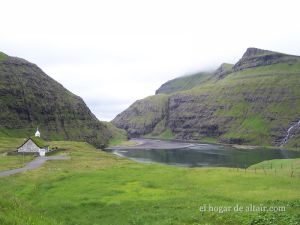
(256, 101)
(183, 83)
(190, 81)
(29, 98)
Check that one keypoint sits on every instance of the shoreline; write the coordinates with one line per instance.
(144, 143)
(151, 143)
(156, 143)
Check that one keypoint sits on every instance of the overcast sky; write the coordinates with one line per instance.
(112, 53)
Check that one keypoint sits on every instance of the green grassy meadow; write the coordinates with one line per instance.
(279, 167)
(95, 187)
(11, 162)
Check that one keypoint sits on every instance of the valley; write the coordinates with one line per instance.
(229, 137)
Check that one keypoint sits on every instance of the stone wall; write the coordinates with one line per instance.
(29, 146)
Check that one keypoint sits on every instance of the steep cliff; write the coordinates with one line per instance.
(255, 101)
(143, 115)
(29, 98)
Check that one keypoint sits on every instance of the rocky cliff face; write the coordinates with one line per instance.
(244, 103)
(30, 98)
(223, 70)
(254, 57)
(143, 115)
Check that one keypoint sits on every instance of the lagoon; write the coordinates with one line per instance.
(199, 155)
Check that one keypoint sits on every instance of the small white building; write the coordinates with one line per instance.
(34, 145)
(37, 133)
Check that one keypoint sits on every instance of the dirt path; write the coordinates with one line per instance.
(33, 165)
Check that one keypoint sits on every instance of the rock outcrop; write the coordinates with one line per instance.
(143, 115)
(255, 57)
(223, 70)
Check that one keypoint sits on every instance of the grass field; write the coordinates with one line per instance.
(95, 187)
(11, 162)
(279, 167)
(10, 144)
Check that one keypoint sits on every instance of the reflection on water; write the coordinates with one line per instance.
(206, 155)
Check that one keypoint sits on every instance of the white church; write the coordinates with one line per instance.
(34, 145)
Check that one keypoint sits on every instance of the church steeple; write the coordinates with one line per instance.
(37, 133)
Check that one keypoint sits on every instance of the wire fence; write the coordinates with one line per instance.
(271, 170)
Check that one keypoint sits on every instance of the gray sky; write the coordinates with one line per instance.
(112, 53)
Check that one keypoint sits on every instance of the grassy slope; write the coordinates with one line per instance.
(140, 116)
(254, 101)
(190, 81)
(95, 187)
(252, 119)
(165, 134)
(183, 83)
(158, 101)
(118, 135)
(283, 167)
(11, 162)
(10, 144)
(2, 56)
(30, 98)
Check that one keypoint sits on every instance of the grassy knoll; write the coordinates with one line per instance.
(10, 144)
(95, 187)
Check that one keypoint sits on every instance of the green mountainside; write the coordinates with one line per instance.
(256, 101)
(183, 83)
(29, 98)
(190, 81)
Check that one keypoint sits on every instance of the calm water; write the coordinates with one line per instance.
(208, 155)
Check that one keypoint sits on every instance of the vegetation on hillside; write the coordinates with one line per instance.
(142, 115)
(29, 98)
(39, 142)
(253, 102)
(183, 83)
(95, 187)
(118, 135)
(2, 56)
